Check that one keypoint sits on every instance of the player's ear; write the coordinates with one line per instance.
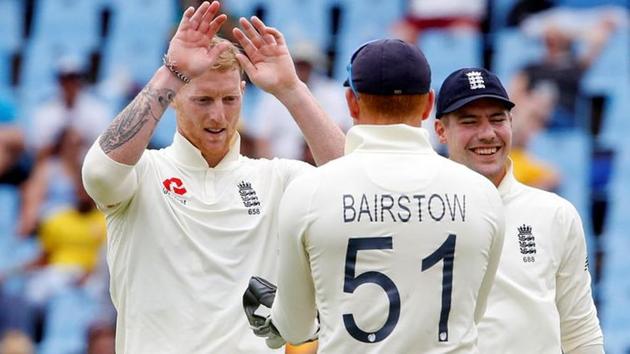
(440, 129)
(243, 84)
(353, 104)
(429, 105)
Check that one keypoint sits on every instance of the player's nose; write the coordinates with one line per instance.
(486, 131)
(216, 113)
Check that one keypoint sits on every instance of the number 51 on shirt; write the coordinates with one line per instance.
(445, 252)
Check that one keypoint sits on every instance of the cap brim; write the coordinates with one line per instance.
(459, 104)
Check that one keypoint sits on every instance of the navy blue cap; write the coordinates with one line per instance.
(467, 85)
(389, 67)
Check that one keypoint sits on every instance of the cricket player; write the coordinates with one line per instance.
(392, 246)
(188, 225)
(541, 301)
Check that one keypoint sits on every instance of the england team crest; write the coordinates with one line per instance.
(527, 243)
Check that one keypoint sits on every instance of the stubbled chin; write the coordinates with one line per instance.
(215, 151)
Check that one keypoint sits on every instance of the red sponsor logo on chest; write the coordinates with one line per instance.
(174, 185)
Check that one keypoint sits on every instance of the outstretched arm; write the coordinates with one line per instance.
(189, 54)
(269, 66)
(596, 41)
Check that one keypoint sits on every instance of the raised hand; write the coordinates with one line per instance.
(189, 49)
(268, 62)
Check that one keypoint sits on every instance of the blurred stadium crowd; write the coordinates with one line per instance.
(67, 67)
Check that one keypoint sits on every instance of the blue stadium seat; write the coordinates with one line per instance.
(136, 55)
(250, 103)
(616, 124)
(500, 11)
(610, 76)
(610, 73)
(139, 37)
(449, 50)
(615, 294)
(75, 22)
(512, 51)
(8, 104)
(301, 20)
(5, 69)
(154, 18)
(615, 284)
(616, 339)
(15, 252)
(569, 151)
(619, 193)
(362, 21)
(69, 316)
(42, 58)
(39, 70)
(9, 200)
(242, 8)
(590, 3)
(11, 23)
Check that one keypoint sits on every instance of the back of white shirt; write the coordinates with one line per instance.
(395, 246)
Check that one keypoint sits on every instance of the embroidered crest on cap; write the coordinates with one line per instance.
(475, 80)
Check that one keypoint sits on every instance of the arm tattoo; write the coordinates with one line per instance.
(131, 120)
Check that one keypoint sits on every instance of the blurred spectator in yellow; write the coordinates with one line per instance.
(71, 230)
(561, 65)
(73, 237)
(16, 342)
(72, 107)
(425, 14)
(71, 240)
(275, 132)
(51, 186)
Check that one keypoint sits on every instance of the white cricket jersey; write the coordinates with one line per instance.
(183, 241)
(394, 245)
(541, 301)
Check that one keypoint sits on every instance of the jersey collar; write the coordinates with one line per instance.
(509, 185)
(184, 152)
(384, 138)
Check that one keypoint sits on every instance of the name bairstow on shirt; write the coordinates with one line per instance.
(404, 208)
